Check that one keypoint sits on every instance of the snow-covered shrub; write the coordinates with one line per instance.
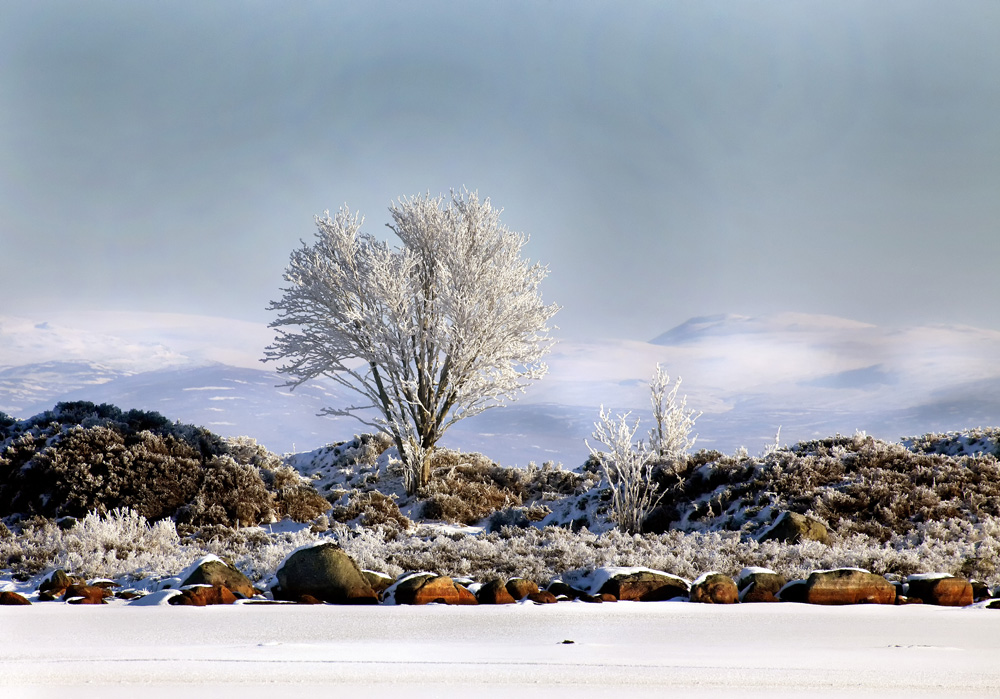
(855, 485)
(81, 458)
(230, 493)
(465, 488)
(985, 440)
(627, 466)
(121, 543)
(671, 438)
(97, 468)
(371, 509)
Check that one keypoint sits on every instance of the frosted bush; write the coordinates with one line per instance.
(627, 466)
(120, 544)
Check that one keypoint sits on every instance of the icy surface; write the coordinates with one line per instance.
(621, 649)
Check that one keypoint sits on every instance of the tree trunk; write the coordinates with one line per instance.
(421, 472)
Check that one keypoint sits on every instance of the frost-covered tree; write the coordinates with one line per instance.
(441, 328)
(671, 435)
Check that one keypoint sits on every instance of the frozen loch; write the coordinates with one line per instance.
(570, 649)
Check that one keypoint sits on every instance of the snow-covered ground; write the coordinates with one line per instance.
(622, 649)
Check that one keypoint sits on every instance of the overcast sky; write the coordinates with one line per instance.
(668, 159)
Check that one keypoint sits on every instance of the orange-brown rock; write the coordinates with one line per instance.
(494, 592)
(946, 591)
(645, 586)
(714, 588)
(54, 586)
(203, 596)
(848, 586)
(308, 599)
(607, 597)
(85, 594)
(441, 589)
(519, 588)
(753, 593)
(12, 598)
(542, 597)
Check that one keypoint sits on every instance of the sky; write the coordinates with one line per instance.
(667, 159)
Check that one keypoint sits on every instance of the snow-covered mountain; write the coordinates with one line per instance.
(812, 375)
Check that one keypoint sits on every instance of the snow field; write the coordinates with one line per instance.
(618, 649)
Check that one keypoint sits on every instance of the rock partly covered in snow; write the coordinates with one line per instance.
(519, 588)
(714, 588)
(791, 527)
(203, 596)
(642, 584)
(494, 592)
(214, 571)
(428, 589)
(759, 585)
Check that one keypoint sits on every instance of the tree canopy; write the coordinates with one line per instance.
(441, 328)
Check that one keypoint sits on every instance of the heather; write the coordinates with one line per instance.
(131, 495)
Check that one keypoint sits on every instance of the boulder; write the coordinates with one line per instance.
(326, 573)
(759, 585)
(645, 586)
(714, 588)
(203, 596)
(308, 599)
(542, 597)
(428, 589)
(494, 592)
(519, 588)
(12, 598)
(791, 527)
(85, 594)
(380, 582)
(944, 590)
(54, 586)
(215, 572)
(848, 586)
(793, 591)
(980, 591)
(560, 589)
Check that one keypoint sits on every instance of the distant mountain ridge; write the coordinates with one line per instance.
(727, 324)
(812, 375)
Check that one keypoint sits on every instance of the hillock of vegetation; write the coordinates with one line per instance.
(107, 492)
(81, 458)
(855, 485)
